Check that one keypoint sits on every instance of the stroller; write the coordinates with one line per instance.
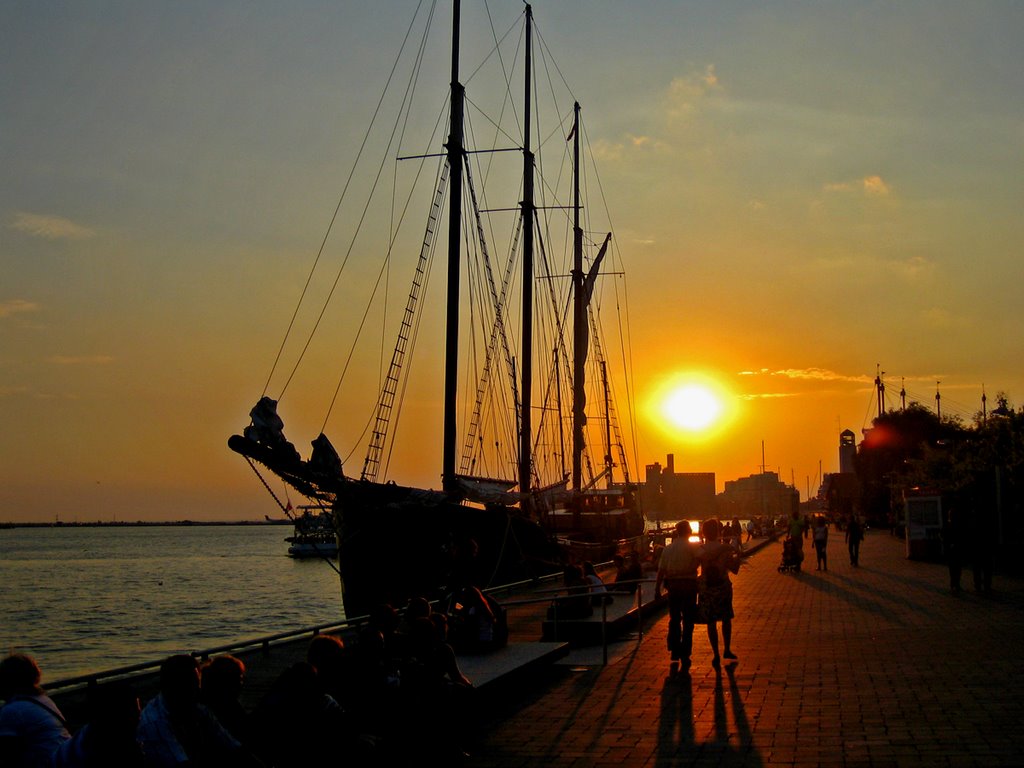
(792, 556)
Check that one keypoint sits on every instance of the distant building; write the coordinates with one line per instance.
(841, 490)
(670, 495)
(762, 495)
(847, 451)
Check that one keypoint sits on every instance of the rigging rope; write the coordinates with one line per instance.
(287, 511)
(334, 217)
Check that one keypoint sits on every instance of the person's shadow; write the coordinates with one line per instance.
(677, 744)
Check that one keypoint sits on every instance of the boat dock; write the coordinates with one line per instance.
(872, 666)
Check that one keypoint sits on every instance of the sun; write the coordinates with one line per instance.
(692, 407)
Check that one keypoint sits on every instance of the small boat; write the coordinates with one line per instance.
(534, 468)
(314, 534)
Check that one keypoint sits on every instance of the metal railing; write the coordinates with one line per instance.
(348, 626)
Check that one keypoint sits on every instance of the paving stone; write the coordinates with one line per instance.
(872, 666)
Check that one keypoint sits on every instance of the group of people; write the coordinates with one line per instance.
(696, 577)
(817, 530)
(396, 690)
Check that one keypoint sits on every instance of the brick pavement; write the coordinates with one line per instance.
(872, 666)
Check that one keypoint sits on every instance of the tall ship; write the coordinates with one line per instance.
(532, 452)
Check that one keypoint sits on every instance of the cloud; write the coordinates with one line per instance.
(911, 267)
(871, 186)
(767, 396)
(80, 359)
(50, 227)
(16, 306)
(685, 93)
(874, 185)
(808, 374)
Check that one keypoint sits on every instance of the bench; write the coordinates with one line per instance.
(607, 622)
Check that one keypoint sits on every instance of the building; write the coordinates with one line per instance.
(841, 490)
(670, 495)
(762, 495)
(847, 451)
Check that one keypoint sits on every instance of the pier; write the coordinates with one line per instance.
(878, 665)
(872, 666)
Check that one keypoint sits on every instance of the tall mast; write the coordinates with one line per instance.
(455, 155)
(527, 213)
(578, 313)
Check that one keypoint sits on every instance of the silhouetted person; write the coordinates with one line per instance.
(175, 729)
(577, 604)
(717, 560)
(221, 681)
(436, 695)
(297, 725)
(598, 591)
(109, 738)
(31, 725)
(795, 527)
(982, 555)
(952, 545)
(854, 536)
(627, 569)
(373, 688)
(677, 570)
(820, 537)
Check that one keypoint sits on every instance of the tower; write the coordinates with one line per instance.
(847, 450)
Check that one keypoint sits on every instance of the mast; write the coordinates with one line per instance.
(527, 213)
(451, 367)
(579, 310)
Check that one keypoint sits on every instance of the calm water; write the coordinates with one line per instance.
(86, 599)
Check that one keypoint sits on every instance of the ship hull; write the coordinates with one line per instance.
(395, 545)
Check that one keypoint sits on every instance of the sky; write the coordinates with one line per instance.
(805, 194)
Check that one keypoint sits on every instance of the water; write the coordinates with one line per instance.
(85, 599)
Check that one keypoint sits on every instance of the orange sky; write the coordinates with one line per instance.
(799, 193)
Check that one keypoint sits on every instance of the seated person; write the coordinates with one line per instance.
(598, 591)
(577, 604)
(627, 569)
(31, 726)
(175, 728)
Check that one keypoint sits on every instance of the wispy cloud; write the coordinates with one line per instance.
(808, 374)
(80, 359)
(50, 227)
(767, 395)
(870, 186)
(685, 93)
(911, 267)
(16, 306)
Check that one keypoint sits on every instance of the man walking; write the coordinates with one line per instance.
(677, 570)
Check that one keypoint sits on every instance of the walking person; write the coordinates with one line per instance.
(677, 570)
(854, 536)
(821, 542)
(952, 545)
(717, 560)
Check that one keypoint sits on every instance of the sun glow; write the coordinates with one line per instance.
(692, 406)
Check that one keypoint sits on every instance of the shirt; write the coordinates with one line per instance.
(678, 560)
(37, 724)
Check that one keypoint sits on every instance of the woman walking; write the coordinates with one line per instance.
(821, 542)
(717, 561)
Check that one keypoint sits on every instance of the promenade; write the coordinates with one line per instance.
(872, 666)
